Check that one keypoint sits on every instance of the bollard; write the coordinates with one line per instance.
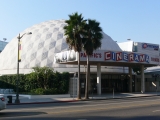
(9, 99)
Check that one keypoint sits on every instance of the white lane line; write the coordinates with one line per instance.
(81, 119)
(156, 111)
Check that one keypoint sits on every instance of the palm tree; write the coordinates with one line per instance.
(91, 42)
(74, 32)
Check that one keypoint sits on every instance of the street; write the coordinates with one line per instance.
(147, 108)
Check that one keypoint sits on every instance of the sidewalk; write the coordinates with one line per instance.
(41, 99)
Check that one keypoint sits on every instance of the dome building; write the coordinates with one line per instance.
(39, 48)
(48, 39)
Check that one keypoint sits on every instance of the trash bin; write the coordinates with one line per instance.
(9, 99)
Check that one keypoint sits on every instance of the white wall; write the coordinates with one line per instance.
(147, 51)
(126, 46)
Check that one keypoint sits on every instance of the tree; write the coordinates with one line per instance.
(74, 32)
(91, 42)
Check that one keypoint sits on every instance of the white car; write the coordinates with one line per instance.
(2, 103)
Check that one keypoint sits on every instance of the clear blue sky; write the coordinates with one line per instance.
(138, 20)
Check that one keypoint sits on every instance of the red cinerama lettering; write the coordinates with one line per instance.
(155, 59)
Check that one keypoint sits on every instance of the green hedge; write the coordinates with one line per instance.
(41, 81)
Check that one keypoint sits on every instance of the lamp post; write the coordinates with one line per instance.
(74, 78)
(18, 60)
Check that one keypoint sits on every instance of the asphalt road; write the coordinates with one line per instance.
(147, 108)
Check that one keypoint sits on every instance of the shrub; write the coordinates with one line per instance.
(38, 91)
(42, 80)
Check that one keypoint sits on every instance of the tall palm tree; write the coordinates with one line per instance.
(91, 42)
(74, 32)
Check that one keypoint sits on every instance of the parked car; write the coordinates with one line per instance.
(2, 103)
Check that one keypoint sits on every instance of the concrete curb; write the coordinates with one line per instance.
(119, 98)
(58, 101)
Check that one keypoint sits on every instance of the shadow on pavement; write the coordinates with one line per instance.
(90, 118)
(20, 114)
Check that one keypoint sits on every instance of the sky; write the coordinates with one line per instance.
(138, 20)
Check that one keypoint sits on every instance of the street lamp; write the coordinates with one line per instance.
(18, 60)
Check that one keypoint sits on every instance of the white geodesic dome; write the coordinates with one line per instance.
(39, 48)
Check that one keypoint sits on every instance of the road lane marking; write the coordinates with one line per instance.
(81, 119)
(156, 111)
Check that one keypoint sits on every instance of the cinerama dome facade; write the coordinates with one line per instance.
(39, 48)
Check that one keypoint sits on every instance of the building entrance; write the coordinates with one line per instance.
(117, 84)
(120, 83)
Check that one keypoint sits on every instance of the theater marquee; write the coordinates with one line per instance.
(127, 57)
(107, 56)
(120, 56)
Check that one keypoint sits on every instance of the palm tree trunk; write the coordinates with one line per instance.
(79, 82)
(87, 78)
